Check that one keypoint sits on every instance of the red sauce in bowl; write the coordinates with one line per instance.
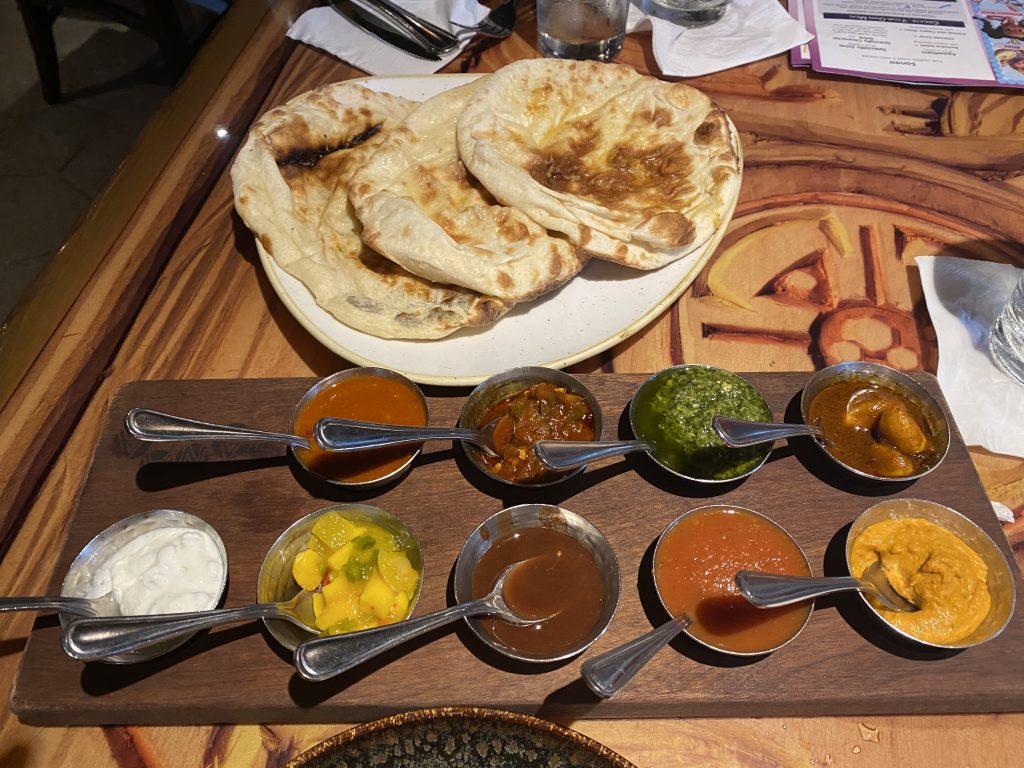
(695, 567)
(379, 399)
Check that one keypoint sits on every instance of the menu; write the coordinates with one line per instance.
(954, 42)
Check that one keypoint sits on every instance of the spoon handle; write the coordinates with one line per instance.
(771, 590)
(739, 433)
(157, 427)
(342, 435)
(606, 674)
(324, 657)
(93, 638)
(569, 454)
(75, 605)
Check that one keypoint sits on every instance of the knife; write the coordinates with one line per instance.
(441, 40)
(378, 29)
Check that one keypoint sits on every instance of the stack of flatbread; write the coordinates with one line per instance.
(411, 220)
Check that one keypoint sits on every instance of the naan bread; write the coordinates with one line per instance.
(633, 169)
(291, 188)
(420, 208)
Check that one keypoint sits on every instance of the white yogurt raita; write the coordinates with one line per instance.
(166, 570)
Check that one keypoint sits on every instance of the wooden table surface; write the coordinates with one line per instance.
(846, 182)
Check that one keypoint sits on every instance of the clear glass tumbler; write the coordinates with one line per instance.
(1006, 339)
(581, 29)
(686, 13)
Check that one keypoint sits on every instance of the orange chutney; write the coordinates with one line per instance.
(363, 398)
(695, 567)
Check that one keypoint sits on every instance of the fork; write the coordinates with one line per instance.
(498, 23)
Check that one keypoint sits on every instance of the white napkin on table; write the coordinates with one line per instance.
(750, 30)
(964, 298)
(328, 30)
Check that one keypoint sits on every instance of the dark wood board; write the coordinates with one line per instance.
(842, 663)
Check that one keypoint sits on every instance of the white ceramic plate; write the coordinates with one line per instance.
(600, 307)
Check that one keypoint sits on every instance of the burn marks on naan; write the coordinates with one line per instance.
(628, 175)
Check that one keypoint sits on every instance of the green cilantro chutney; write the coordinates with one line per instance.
(674, 409)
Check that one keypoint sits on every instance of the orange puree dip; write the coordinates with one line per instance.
(695, 566)
(378, 399)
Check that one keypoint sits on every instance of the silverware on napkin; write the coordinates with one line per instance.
(434, 37)
(379, 29)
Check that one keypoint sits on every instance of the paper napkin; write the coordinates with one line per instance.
(330, 31)
(750, 30)
(964, 298)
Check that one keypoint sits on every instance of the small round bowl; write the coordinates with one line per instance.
(884, 376)
(502, 385)
(507, 522)
(391, 474)
(740, 604)
(1001, 587)
(276, 585)
(105, 544)
(758, 454)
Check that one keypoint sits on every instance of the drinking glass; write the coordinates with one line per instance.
(686, 13)
(581, 29)
(1006, 339)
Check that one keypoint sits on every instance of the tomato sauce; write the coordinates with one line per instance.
(695, 566)
(364, 398)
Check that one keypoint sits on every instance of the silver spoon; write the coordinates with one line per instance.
(569, 454)
(342, 435)
(738, 433)
(157, 427)
(324, 657)
(608, 673)
(94, 638)
(770, 590)
(78, 606)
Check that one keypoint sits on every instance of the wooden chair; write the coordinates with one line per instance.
(158, 19)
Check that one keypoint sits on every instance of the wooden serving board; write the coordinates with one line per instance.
(842, 663)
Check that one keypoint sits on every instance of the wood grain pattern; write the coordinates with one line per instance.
(804, 135)
(841, 664)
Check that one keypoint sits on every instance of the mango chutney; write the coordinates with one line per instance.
(934, 569)
(695, 567)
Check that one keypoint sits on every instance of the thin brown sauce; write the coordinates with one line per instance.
(561, 580)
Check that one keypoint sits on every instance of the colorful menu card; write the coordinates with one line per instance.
(954, 42)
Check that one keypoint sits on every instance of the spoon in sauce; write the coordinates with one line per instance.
(738, 433)
(770, 590)
(342, 435)
(87, 639)
(569, 454)
(324, 657)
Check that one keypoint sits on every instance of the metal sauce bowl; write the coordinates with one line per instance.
(1001, 586)
(501, 385)
(106, 543)
(276, 585)
(884, 376)
(323, 384)
(688, 629)
(500, 525)
(652, 381)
